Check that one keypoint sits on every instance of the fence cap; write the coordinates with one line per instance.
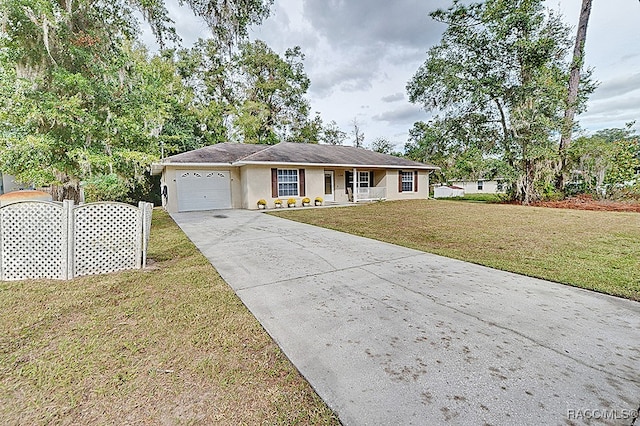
(24, 195)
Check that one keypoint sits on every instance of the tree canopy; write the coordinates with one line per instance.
(496, 83)
(82, 100)
(605, 163)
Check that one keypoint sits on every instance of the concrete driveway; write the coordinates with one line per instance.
(390, 335)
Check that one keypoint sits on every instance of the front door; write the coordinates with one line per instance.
(328, 186)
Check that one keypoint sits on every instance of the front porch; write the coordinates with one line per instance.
(355, 185)
(375, 193)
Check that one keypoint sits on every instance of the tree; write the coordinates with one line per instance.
(603, 162)
(229, 20)
(309, 131)
(382, 145)
(496, 82)
(573, 90)
(207, 70)
(254, 95)
(332, 135)
(73, 127)
(358, 136)
(80, 100)
(434, 143)
(271, 91)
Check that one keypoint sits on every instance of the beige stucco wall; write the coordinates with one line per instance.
(392, 186)
(257, 185)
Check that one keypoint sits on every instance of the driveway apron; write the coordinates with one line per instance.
(390, 335)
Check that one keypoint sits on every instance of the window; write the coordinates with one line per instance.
(480, 185)
(365, 179)
(500, 186)
(287, 183)
(407, 181)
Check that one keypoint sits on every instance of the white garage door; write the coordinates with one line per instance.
(203, 190)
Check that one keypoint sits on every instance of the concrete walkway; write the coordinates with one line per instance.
(390, 335)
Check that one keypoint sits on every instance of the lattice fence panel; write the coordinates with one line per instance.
(107, 238)
(31, 241)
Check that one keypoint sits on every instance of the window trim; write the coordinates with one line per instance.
(402, 182)
(285, 187)
(368, 179)
(276, 184)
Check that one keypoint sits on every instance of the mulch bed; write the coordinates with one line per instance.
(586, 202)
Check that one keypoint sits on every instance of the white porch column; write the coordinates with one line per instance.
(356, 185)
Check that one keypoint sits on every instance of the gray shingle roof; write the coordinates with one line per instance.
(219, 153)
(293, 153)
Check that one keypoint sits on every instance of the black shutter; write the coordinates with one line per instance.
(399, 180)
(274, 183)
(301, 183)
(348, 176)
(371, 185)
(415, 181)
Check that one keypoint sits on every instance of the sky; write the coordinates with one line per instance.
(359, 56)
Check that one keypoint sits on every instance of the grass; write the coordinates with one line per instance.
(169, 345)
(590, 249)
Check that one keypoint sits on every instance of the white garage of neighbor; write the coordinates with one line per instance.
(203, 189)
(448, 191)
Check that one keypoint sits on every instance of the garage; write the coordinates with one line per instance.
(203, 189)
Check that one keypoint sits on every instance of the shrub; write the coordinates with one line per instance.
(105, 188)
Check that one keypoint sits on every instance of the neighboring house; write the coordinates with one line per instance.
(480, 186)
(449, 191)
(234, 175)
(9, 184)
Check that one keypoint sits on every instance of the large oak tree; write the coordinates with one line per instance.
(80, 100)
(497, 80)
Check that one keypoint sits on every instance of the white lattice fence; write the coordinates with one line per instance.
(60, 241)
(31, 241)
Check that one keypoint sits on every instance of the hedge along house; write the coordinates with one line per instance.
(234, 175)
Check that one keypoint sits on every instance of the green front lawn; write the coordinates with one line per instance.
(590, 249)
(169, 345)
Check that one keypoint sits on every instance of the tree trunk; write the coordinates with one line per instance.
(68, 189)
(572, 95)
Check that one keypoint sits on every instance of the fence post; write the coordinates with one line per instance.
(67, 240)
(140, 236)
(1, 245)
(147, 209)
